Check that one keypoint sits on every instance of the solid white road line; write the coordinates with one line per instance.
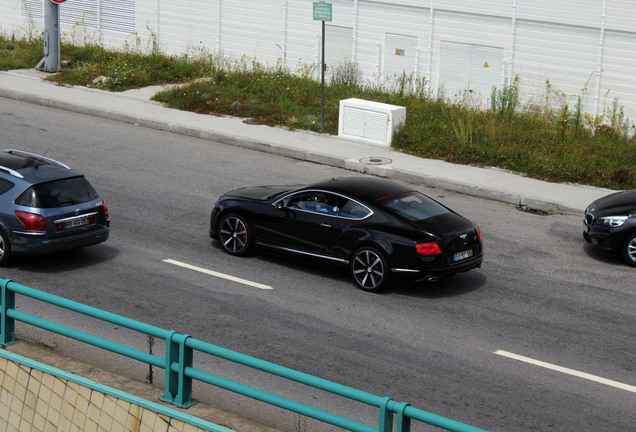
(627, 387)
(219, 275)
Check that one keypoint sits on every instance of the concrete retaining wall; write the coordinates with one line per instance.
(35, 396)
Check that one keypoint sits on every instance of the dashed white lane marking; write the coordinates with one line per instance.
(219, 275)
(622, 386)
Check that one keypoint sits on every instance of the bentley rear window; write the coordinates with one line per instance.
(414, 206)
(57, 193)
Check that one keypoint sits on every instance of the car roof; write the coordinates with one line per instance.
(17, 165)
(370, 189)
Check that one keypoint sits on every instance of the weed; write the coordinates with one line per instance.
(150, 340)
(546, 140)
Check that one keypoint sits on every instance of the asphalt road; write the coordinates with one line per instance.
(540, 338)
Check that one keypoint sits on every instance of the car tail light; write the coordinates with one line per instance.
(104, 209)
(31, 221)
(430, 248)
(479, 233)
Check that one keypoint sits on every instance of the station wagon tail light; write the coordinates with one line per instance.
(104, 209)
(31, 221)
(430, 248)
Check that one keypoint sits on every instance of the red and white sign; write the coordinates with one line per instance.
(58, 1)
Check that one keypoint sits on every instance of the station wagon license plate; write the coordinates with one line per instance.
(76, 222)
(462, 255)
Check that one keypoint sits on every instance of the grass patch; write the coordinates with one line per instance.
(563, 145)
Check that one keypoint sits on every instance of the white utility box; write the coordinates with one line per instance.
(373, 122)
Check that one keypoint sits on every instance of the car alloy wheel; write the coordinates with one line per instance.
(235, 235)
(370, 270)
(629, 249)
(5, 249)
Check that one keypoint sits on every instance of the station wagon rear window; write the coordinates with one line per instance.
(58, 193)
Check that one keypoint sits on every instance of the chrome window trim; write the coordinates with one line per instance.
(75, 217)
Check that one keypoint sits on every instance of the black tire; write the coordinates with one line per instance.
(370, 269)
(629, 249)
(5, 249)
(235, 235)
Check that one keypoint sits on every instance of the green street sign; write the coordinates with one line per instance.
(322, 11)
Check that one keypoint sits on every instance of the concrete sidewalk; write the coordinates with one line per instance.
(135, 106)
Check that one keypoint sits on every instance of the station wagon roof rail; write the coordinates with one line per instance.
(14, 173)
(37, 157)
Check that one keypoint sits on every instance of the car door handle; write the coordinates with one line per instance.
(326, 225)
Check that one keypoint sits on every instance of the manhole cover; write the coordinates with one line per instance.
(376, 161)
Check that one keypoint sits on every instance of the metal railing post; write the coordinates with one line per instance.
(170, 380)
(386, 416)
(177, 387)
(402, 423)
(7, 325)
(184, 393)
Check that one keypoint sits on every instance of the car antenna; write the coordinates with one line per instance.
(40, 160)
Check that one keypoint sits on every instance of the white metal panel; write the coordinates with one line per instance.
(365, 124)
(79, 12)
(485, 70)
(585, 13)
(186, 23)
(618, 72)
(338, 45)
(556, 60)
(117, 15)
(470, 68)
(454, 68)
(33, 9)
(11, 18)
(620, 15)
(399, 55)
(252, 28)
(369, 121)
(303, 36)
(472, 29)
(376, 19)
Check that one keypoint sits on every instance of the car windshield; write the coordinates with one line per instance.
(58, 193)
(413, 206)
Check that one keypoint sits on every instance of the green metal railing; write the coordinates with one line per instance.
(179, 370)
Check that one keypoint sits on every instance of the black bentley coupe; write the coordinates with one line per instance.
(379, 229)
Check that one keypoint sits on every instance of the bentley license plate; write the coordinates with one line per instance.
(463, 255)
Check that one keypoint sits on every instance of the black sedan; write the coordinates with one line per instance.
(379, 229)
(610, 224)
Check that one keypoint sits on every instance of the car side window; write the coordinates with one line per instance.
(5, 185)
(316, 202)
(352, 209)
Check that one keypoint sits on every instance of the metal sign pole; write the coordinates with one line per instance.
(324, 68)
(322, 12)
(51, 60)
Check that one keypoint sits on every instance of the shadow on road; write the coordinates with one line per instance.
(65, 261)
